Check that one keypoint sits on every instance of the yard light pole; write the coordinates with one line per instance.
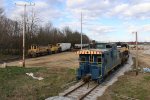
(24, 30)
(81, 30)
(136, 37)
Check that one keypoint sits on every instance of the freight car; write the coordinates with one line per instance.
(78, 46)
(96, 62)
(64, 46)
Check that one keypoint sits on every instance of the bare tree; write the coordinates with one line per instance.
(11, 34)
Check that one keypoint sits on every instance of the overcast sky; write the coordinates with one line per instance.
(103, 20)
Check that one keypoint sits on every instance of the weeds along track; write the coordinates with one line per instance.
(80, 91)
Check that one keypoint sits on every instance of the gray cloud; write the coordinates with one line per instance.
(1, 3)
(46, 10)
(101, 29)
(109, 8)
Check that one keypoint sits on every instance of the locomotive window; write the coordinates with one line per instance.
(82, 59)
(99, 60)
(124, 45)
(92, 46)
(91, 58)
(100, 46)
(34, 47)
(108, 46)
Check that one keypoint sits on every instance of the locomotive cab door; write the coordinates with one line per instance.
(95, 66)
(84, 65)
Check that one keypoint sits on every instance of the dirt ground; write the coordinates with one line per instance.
(64, 59)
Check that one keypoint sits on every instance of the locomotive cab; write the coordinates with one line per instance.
(95, 63)
(90, 64)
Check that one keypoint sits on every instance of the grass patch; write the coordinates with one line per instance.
(129, 85)
(5, 58)
(15, 84)
(146, 78)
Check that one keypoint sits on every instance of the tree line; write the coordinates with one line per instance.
(11, 34)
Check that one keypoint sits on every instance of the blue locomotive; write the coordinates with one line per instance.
(95, 63)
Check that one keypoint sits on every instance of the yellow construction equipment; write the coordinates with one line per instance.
(36, 50)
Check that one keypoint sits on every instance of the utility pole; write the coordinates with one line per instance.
(136, 63)
(24, 30)
(136, 53)
(81, 30)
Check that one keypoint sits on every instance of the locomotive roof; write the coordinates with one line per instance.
(92, 51)
(102, 50)
(105, 43)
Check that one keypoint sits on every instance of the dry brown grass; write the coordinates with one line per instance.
(129, 85)
(144, 60)
(64, 59)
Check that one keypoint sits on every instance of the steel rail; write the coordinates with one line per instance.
(74, 89)
(83, 96)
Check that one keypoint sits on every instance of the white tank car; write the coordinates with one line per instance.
(64, 46)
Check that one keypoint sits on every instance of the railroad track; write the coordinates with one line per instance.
(81, 91)
(90, 90)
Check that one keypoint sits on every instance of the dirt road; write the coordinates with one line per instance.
(64, 59)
